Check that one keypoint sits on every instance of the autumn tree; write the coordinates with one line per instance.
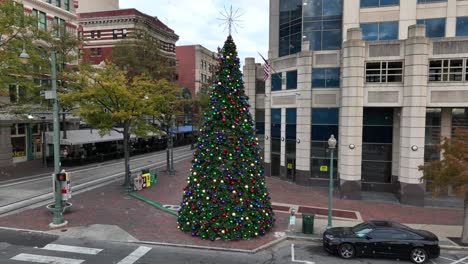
(109, 101)
(17, 32)
(451, 170)
(141, 54)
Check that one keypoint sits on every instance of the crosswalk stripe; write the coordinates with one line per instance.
(45, 259)
(73, 249)
(135, 255)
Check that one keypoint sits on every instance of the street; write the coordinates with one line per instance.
(22, 193)
(18, 247)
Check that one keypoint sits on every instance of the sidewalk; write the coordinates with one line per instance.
(111, 206)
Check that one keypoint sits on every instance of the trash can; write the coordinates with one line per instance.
(307, 223)
(154, 177)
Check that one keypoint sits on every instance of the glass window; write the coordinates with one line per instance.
(99, 51)
(115, 33)
(462, 26)
(326, 78)
(325, 116)
(323, 24)
(435, 28)
(58, 3)
(430, 1)
(380, 31)
(276, 82)
(317, 165)
(290, 27)
(275, 164)
(432, 134)
(42, 20)
(291, 80)
(459, 119)
(124, 33)
(384, 71)
(259, 86)
(291, 117)
(376, 3)
(67, 5)
(448, 70)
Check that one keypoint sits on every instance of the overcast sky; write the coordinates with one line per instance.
(196, 22)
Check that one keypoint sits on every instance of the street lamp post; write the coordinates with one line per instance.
(331, 147)
(58, 220)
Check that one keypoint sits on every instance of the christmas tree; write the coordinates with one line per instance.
(226, 196)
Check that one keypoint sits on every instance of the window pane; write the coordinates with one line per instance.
(375, 171)
(318, 78)
(276, 82)
(323, 132)
(462, 26)
(275, 164)
(315, 40)
(388, 30)
(435, 28)
(313, 8)
(332, 77)
(369, 3)
(378, 116)
(276, 116)
(370, 31)
(276, 130)
(291, 80)
(291, 131)
(332, 7)
(389, 2)
(331, 40)
(291, 115)
(317, 173)
(276, 145)
(378, 134)
(378, 152)
(325, 116)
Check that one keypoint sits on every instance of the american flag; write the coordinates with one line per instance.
(266, 68)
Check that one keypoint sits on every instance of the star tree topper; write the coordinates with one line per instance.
(230, 19)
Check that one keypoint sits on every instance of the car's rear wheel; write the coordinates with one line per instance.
(418, 255)
(346, 251)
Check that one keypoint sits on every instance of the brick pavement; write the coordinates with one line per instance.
(110, 205)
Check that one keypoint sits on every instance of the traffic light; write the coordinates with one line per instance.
(62, 176)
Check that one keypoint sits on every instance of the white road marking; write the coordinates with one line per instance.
(459, 261)
(73, 249)
(135, 255)
(46, 259)
(301, 261)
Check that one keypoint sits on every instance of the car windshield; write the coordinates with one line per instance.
(362, 229)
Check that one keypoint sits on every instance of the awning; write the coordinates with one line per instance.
(85, 136)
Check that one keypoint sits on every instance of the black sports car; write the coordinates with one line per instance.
(384, 239)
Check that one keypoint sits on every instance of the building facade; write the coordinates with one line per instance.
(103, 30)
(388, 79)
(20, 137)
(86, 6)
(195, 65)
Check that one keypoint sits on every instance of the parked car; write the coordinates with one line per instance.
(382, 239)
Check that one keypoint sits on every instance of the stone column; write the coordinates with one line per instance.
(351, 115)
(250, 75)
(396, 148)
(407, 17)
(303, 104)
(267, 147)
(413, 117)
(451, 22)
(6, 158)
(274, 29)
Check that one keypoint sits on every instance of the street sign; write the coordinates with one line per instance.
(324, 168)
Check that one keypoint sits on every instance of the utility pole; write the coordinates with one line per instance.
(58, 220)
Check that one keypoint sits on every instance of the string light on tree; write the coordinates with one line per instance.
(226, 196)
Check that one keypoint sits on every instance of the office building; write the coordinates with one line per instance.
(388, 78)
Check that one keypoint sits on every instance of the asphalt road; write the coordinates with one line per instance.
(20, 247)
(22, 193)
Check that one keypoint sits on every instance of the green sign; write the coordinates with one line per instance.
(324, 168)
(290, 165)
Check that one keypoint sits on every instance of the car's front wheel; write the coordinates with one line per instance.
(418, 255)
(346, 251)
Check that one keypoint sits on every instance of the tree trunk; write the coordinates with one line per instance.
(464, 236)
(126, 140)
(64, 124)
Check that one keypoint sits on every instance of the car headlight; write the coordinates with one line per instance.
(329, 237)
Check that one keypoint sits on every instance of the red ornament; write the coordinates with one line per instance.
(216, 230)
(237, 120)
(223, 214)
(224, 120)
